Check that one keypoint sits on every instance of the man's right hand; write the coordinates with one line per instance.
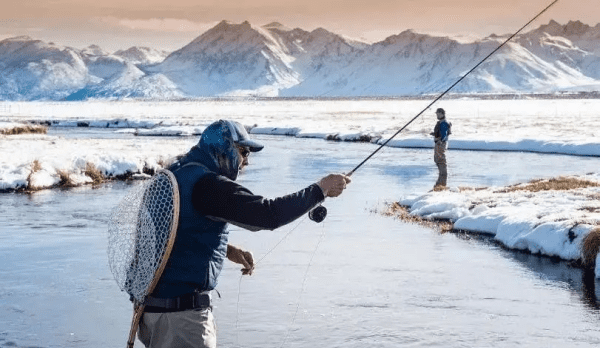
(333, 184)
(242, 257)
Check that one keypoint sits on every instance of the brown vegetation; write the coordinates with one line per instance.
(93, 172)
(24, 129)
(438, 188)
(560, 183)
(65, 179)
(401, 212)
(594, 197)
(590, 247)
(35, 167)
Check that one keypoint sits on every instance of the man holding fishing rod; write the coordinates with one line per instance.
(178, 313)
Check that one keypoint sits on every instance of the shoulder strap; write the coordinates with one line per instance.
(198, 164)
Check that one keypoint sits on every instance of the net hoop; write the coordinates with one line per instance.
(172, 233)
(142, 232)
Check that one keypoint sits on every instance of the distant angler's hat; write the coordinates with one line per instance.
(440, 111)
(241, 136)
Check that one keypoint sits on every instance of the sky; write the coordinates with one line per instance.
(169, 25)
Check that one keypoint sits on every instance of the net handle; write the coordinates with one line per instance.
(135, 321)
(138, 309)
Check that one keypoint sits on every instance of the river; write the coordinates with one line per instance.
(358, 279)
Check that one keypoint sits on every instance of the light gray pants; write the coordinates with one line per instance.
(439, 157)
(186, 329)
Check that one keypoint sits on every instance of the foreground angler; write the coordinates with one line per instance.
(178, 312)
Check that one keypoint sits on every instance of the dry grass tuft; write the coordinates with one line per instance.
(65, 179)
(94, 173)
(36, 166)
(560, 184)
(590, 247)
(439, 188)
(24, 129)
(400, 212)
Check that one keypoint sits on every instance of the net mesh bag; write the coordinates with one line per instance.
(141, 232)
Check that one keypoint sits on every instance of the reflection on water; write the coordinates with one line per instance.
(555, 271)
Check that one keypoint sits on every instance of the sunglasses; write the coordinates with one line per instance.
(244, 151)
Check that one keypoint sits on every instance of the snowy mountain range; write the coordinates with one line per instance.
(276, 61)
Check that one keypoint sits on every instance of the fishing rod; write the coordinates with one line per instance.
(319, 213)
(449, 88)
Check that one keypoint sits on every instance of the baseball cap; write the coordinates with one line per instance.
(241, 136)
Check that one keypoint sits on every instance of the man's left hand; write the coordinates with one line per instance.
(244, 258)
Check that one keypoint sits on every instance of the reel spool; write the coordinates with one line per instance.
(318, 214)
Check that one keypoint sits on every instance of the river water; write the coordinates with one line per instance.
(358, 279)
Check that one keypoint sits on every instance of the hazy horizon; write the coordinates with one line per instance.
(117, 25)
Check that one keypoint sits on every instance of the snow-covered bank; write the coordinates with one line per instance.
(33, 162)
(579, 148)
(549, 222)
(546, 126)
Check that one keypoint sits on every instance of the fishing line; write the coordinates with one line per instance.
(256, 263)
(303, 286)
(449, 88)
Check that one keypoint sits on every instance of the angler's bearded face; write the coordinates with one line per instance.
(244, 153)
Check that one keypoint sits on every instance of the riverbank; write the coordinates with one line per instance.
(555, 217)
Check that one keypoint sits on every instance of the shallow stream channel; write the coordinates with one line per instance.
(359, 279)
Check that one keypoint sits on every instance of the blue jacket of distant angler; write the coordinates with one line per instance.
(441, 130)
(201, 243)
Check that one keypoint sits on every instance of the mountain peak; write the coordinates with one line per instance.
(21, 38)
(225, 37)
(576, 28)
(276, 25)
(321, 31)
(324, 33)
(94, 50)
(571, 30)
(553, 23)
(225, 25)
(552, 27)
(140, 54)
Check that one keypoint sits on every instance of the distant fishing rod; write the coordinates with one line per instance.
(449, 88)
(319, 213)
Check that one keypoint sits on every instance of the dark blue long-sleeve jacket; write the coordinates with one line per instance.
(209, 200)
(441, 130)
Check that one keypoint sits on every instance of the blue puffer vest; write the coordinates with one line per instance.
(201, 244)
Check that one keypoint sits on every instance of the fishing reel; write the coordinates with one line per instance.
(318, 214)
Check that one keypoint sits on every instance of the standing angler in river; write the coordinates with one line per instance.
(440, 136)
(178, 312)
